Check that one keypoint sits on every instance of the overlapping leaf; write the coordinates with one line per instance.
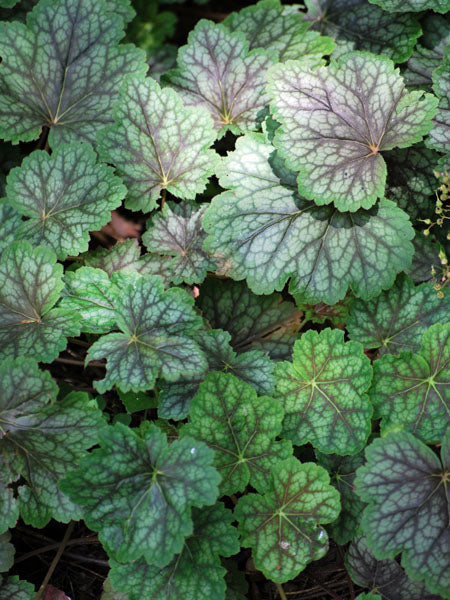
(6, 552)
(10, 220)
(241, 428)
(441, 6)
(30, 284)
(216, 71)
(337, 119)
(359, 25)
(266, 234)
(14, 588)
(412, 391)
(157, 144)
(283, 526)
(396, 319)
(150, 486)
(195, 573)
(268, 25)
(63, 197)
(63, 70)
(323, 393)
(439, 138)
(407, 488)
(155, 338)
(425, 262)
(177, 232)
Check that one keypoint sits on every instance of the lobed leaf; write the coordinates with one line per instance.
(441, 6)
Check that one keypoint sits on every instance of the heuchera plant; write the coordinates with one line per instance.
(267, 365)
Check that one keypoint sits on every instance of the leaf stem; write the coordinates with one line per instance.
(281, 591)
(55, 561)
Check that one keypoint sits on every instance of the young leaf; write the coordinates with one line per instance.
(412, 391)
(267, 234)
(406, 486)
(30, 284)
(177, 231)
(15, 589)
(267, 25)
(155, 341)
(358, 25)
(195, 573)
(10, 221)
(322, 393)
(63, 196)
(396, 319)
(439, 138)
(336, 120)
(441, 6)
(216, 71)
(63, 70)
(283, 526)
(150, 486)
(241, 427)
(264, 322)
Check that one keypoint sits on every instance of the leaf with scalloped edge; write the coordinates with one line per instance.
(195, 573)
(177, 232)
(14, 588)
(426, 257)
(266, 323)
(11, 221)
(441, 6)
(155, 338)
(406, 485)
(42, 439)
(253, 367)
(268, 25)
(240, 427)
(283, 526)
(30, 285)
(157, 143)
(359, 25)
(439, 137)
(383, 576)
(336, 120)
(6, 552)
(412, 391)
(63, 70)
(216, 71)
(323, 393)
(63, 197)
(150, 485)
(396, 319)
(267, 234)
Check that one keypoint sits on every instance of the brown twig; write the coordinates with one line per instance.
(79, 363)
(49, 547)
(55, 561)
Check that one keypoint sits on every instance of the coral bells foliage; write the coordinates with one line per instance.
(258, 365)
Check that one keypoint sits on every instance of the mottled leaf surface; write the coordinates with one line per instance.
(30, 284)
(283, 526)
(6, 552)
(15, 589)
(412, 391)
(63, 70)
(195, 573)
(439, 138)
(216, 71)
(323, 393)
(10, 220)
(406, 487)
(441, 6)
(63, 197)
(336, 120)
(395, 320)
(150, 486)
(157, 144)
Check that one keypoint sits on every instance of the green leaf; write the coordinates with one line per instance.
(396, 319)
(268, 25)
(63, 70)
(158, 144)
(237, 586)
(195, 573)
(42, 439)
(216, 71)
(267, 323)
(358, 25)
(283, 526)
(63, 196)
(412, 391)
(336, 120)
(177, 232)
(109, 593)
(322, 393)
(383, 576)
(439, 137)
(10, 156)
(267, 234)
(156, 340)
(150, 486)
(135, 402)
(6, 552)
(15, 589)
(252, 367)
(10, 221)
(342, 470)
(30, 284)
(369, 596)
(441, 6)
(426, 257)
(241, 428)
(406, 486)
